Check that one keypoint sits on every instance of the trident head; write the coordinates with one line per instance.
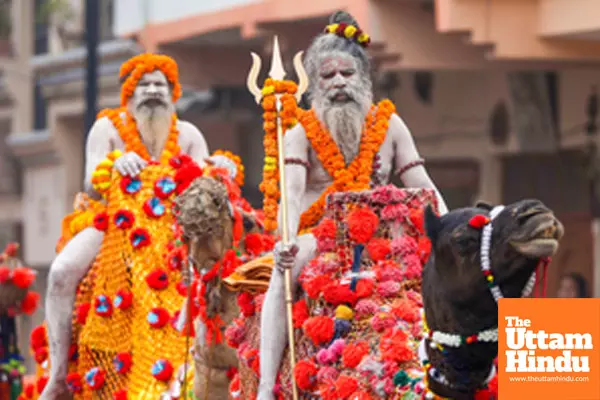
(276, 72)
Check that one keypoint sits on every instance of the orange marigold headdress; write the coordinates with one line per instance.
(134, 68)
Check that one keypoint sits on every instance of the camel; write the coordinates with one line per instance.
(523, 234)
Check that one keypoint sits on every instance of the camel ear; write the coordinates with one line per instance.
(484, 205)
(433, 225)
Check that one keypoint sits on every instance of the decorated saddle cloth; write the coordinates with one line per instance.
(358, 323)
(125, 341)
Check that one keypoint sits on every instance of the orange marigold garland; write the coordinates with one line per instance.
(347, 178)
(270, 184)
(129, 134)
(240, 176)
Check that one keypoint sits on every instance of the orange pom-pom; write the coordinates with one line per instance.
(378, 248)
(319, 329)
(479, 221)
(345, 386)
(305, 374)
(362, 225)
(353, 353)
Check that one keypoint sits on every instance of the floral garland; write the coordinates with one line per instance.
(131, 137)
(101, 177)
(270, 184)
(357, 175)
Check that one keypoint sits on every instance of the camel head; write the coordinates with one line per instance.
(478, 255)
(522, 233)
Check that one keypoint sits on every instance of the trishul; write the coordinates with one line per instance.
(278, 73)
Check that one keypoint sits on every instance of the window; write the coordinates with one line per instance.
(40, 45)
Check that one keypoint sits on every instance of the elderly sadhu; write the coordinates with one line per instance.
(144, 131)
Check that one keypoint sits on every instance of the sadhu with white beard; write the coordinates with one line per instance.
(143, 130)
(343, 128)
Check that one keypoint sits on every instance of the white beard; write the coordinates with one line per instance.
(345, 123)
(154, 125)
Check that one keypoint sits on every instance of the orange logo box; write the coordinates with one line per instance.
(549, 349)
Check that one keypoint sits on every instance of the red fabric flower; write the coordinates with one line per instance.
(378, 248)
(319, 329)
(246, 303)
(353, 353)
(162, 370)
(30, 302)
(123, 299)
(4, 274)
(362, 225)
(300, 313)
(176, 258)
(158, 317)
(254, 244)
(95, 378)
(345, 386)
(122, 362)
(124, 219)
(139, 238)
(103, 306)
(158, 279)
(305, 374)
(82, 313)
(101, 221)
(23, 277)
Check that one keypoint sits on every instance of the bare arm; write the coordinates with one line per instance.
(295, 147)
(97, 148)
(406, 153)
(197, 149)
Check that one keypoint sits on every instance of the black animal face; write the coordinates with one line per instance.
(522, 233)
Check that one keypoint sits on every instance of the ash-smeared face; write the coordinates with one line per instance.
(152, 93)
(342, 99)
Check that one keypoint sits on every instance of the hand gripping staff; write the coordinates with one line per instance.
(278, 73)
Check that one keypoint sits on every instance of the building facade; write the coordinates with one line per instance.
(499, 111)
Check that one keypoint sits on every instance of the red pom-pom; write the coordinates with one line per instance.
(37, 338)
(74, 382)
(4, 274)
(345, 386)
(185, 175)
(300, 313)
(353, 354)
(337, 294)
(416, 218)
(362, 225)
(378, 249)
(41, 355)
(82, 313)
(319, 329)
(254, 244)
(305, 374)
(23, 277)
(246, 303)
(479, 221)
(11, 249)
(30, 303)
(326, 229)
(364, 288)
(122, 363)
(123, 299)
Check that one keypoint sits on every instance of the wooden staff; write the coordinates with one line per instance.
(278, 73)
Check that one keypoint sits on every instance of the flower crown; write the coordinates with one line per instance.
(349, 32)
